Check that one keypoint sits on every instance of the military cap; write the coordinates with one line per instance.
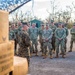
(52, 21)
(60, 23)
(24, 23)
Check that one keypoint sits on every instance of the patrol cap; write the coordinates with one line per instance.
(24, 23)
(52, 21)
(60, 23)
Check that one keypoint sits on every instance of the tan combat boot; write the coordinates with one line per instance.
(31, 55)
(57, 56)
(51, 57)
(53, 52)
(70, 51)
(45, 56)
(36, 54)
(42, 54)
(63, 56)
(60, 53)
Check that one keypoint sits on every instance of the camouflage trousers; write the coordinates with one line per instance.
(53, 43)
(45, 45)
(65, 44)
(71, 43)
(65, 47)
(41, 43)
(25, 53)
(33, 47)
(62, 44)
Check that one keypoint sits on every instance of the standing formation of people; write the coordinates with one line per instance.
(47, 36)
(52, 39)
(60, 35)
(33, 34)
(72, 32)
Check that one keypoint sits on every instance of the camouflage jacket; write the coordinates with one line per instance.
(53, 27)
(33, 33)
(66, 29)
(47, 35)
(24, 40)
(72, 31)
(40, 32)
(11, 35)
(60, 33)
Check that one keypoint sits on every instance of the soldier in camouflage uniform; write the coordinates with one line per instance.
(47, 36)
(19, 26)
(24, 43)
(66, 29)
(53, 27)
(72, 32)
(41, 29)
(16, 37)
(11, 34)
(33, 33)
(60, 35)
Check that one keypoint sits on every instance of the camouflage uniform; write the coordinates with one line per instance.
(11, 35)
(60, 35)
(33, 34)
(72, 32)
(53, 27)
(24, 43)
(16, 38)
(40, 38)
(19, 28)
(47, 36)
(66, 29)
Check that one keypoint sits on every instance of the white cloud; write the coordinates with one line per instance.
(41, 13)
(41, 6)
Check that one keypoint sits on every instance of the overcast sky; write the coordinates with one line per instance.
(41, 6)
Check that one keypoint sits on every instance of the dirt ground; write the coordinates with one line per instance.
(55, 66)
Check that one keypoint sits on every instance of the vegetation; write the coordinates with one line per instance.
(57, 14)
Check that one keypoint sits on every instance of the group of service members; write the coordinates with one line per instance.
(51, 38)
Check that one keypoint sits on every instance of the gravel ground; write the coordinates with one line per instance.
(55, 66)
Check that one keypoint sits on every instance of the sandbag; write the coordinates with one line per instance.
(20, 66)
(6, 57)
